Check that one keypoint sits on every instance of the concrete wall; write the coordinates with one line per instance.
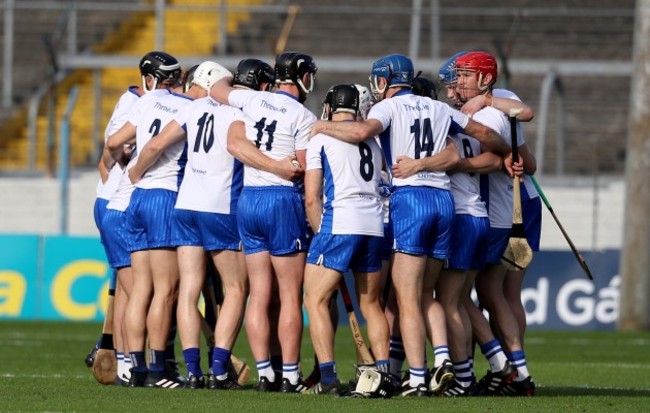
(593, 218)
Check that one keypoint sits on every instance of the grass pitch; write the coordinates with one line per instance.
(42, 369)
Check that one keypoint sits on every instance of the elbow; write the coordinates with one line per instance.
(526, 116)
(233, 148)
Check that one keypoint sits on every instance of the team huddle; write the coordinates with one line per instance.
(225, 186)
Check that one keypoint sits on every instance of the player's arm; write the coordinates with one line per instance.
(529, 161)
(244, 150)
(352, 132)
(115, 143)
(220, 90)
(103, 171)
(488, 137)
(171, 133)
(443, 161)
(314, 197)
(484, 163)
(502, 104)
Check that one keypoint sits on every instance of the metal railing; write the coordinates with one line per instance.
(69, 58)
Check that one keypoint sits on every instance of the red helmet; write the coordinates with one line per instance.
(479, 62)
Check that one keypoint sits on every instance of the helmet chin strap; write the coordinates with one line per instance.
(144, 84)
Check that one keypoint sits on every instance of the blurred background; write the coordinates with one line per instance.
(65, 63)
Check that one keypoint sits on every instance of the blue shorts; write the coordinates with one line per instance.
(149, 217)
(497, 243)
(421, 220)
(342, 252)
(98, 212)
(209, 230)
(531, 212)
(272, 218)
(115, 235)
(387, 247)
(469, 242)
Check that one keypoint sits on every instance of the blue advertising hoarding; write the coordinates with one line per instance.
(67, 278)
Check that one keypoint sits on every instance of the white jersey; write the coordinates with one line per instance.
(277, 124)
(507, 94)
(213, 177)
(351, 174)
(119, 117)
(416, 127)
(466, 187)
(150, 115)
(122, 195)
(499, 201)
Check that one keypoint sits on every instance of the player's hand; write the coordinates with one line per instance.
(289, 168)
(473, 105)
(317, 128)
(405, 167)
(514, 168)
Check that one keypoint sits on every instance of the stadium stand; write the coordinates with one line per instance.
(595, 107)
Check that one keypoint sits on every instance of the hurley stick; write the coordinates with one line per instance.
(518, 254)
(579, 256)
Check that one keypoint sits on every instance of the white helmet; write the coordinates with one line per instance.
(208, 73)
(365, 100)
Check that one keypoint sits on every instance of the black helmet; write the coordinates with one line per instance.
(341, 98)
(423, 86)
(188, 77)
(291, 67)
(162, 67)
(251, 73)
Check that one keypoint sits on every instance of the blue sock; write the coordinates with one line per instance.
(192, 358)
(138, 363)
(327, 372)
(382, 365)
(156, 361)
(220, 359)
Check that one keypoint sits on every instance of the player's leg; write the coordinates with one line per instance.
(123, 291)
(260, 280)
(489, 286)
(442, 373)
(164, 274)
(369, 292)
(320, 285)
(119, 306)
(232, 269)
(289, 271)
(407, 273)
(191, 264)
(136, 315)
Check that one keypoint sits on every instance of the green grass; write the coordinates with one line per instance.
(41, 369)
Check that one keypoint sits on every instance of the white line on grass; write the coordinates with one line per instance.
(589, 342)
(40, 376)
(630, 366)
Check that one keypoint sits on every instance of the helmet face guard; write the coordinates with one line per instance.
(377, 92)
(482, 64)
(397, 69)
